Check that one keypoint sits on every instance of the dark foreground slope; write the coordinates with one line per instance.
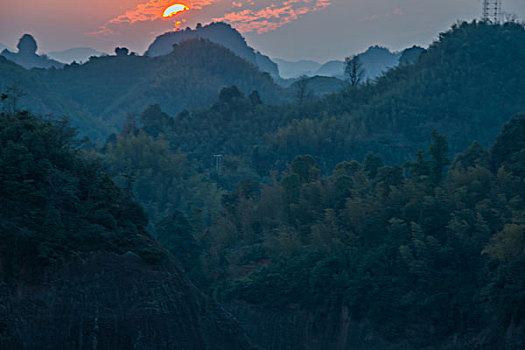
(77, 267)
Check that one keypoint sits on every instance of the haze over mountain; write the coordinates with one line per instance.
(288, 69)
(219, 33)
(375, 61)
(77, 54)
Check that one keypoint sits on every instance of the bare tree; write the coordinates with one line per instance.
(354, 70)
(301, 89)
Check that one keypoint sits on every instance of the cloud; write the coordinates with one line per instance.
(395, 12)
(150, 11)
(246, 15)
(271, 16)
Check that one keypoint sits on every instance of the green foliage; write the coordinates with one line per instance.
(508, 150)
(394, 250)
(56, 200)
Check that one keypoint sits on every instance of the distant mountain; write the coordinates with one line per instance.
(4, 47)
(375, 60)
(295, 69)
(27, 57)
(39, 98)
(219, 33)
(331, 69)
(77, 54)
(318, 85)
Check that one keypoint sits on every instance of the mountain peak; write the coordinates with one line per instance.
(219, 33)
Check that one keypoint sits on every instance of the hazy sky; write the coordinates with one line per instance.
(292, 29)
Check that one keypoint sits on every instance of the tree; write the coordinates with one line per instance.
(354, 70)
(255, 98)
(121, 51)
(229, 94)
(305, 167)
(372, 163)
(438, 157)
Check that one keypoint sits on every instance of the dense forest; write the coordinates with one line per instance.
(69, 241)
(82, 93)
(385, 215)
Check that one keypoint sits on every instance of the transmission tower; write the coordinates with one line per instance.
(492, 11)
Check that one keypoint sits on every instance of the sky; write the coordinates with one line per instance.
(320, 30)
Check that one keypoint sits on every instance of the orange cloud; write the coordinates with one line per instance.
(272, 16)
(147, 12)
(246, 15)
(395, 12)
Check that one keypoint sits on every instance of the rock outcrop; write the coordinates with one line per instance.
(27, 56)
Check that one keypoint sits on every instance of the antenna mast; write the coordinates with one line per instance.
(492, 11)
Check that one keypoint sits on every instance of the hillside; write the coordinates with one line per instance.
(466, 86)
(77, 267)
(105, 89)
(383, 215)
(455, 87)
(192, 76)
(220, 33)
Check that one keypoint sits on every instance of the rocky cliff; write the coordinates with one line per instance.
(109, 301)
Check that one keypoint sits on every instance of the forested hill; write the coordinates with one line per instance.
(220, 33)
(77, 267)
(98, 94)
(466, 86)
(189, 77)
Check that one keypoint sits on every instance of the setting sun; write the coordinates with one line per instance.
(174, 9)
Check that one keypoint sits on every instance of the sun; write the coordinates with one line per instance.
(174, 9)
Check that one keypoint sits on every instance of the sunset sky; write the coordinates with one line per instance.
(291, 29)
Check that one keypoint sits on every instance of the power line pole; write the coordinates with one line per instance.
(218, 162)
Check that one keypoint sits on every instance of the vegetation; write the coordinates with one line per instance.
(57, 200)
(394, 199)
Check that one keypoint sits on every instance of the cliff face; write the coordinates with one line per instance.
(297, 329)
(110, 301)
